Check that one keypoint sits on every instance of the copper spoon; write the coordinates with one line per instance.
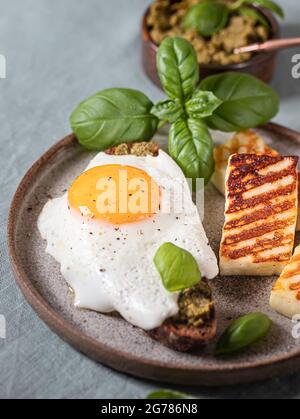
(272, 45)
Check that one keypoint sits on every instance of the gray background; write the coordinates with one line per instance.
(59, 52)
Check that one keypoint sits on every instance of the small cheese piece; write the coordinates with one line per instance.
(244, 142)
(260, 214)
(285, 296)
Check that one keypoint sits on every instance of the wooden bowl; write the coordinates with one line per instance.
(260, 65)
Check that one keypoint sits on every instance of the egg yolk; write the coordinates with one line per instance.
(115, 193)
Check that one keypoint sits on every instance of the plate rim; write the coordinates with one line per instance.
(116, 358)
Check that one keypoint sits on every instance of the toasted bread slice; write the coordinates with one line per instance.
(285, 295)
(260, 214)
(244, 142)
(195, 324)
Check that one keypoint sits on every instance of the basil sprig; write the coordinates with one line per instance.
(190, 143)
(177, 267)
(227, 102)
(210, 17)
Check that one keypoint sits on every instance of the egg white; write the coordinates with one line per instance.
(110, 268)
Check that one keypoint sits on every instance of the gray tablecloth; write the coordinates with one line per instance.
(58, 52)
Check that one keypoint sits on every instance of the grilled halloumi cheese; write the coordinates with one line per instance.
(260, 214)
(285, 296)
(244, 142)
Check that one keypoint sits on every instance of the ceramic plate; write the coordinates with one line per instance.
(108, 338)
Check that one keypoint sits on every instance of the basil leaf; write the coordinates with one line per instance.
(178, 68)
(269, 4)
(244, 332)
(247, 101)
(191, 146)
(207, 18)
(112, 117)
(177, 267)
(168, 110)
(168, 395)
(202, 104)
(255, 14)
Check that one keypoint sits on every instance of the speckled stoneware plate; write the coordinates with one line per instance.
(110, 339)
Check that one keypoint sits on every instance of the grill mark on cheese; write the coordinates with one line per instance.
(284, 216)
(289, 273)
(246, 211)
(251, 164)
(292, 269)
(247, 163)
(237, 185)
(285, 295)
(289, 279)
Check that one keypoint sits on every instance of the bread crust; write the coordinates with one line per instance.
(185, 338)
(195, 324)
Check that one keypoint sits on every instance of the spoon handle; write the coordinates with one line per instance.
(272, 45)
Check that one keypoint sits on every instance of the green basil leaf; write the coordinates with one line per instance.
(191, 146)
(247, 101)
(244, 332)
(177, 267)
(168, 110)
(112, 117)
(168, 395)
(202, 104)
(207, 18)
(255, 14)
(178, 68)
(271, 5)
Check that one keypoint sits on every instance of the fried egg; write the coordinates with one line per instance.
(104, 235)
